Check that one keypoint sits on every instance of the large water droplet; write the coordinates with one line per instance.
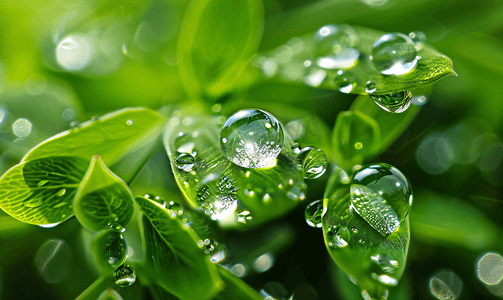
(185, 162)
(313, 162)
(252, 138)
(124, 276)
(394, 54)
(116, 249)
(338, 236)
(313, 213)
(393, 103)
(382, 196)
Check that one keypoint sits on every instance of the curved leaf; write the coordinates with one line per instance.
(113, 136)
(265, 193)
(356, 136)
(288, 64)
(41, 191)
(235, 288)
(216, 42)
(102, 198)
(173, 259)
(375, 262)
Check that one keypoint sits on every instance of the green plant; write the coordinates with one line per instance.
(171, 238)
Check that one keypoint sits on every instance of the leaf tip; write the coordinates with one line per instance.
(96, 157)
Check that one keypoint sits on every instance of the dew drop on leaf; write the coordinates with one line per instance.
(244, 216)
(313, 162)
(344, 81)
(338, 236)
(185, 162)
(394, 54)
(313, 214)
(174, 209)
(370, 87)
(252, 138)
(393, 103)
(332, 38)
(382, 196)
(124, 276)
(417, 36)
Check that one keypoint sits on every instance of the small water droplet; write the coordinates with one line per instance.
(313, 214)
(174, 209)
(332, 38)
(129, 122)
(378, 199)
(361, 241)
(370, 87)
(354, 229)
(394, 54)
(338, 236)
(116, 227)
(394, 103)
(42, 182)
(244, 217)
(313, 162)
(185, 162)
(33, 202)
(417, 36)
(124, 276)
(344, 81)
(250, 143)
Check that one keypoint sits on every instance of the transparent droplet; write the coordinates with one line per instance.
(382, 196)
(252, 138)
(344, 59)
(370, 87)
(344, 81)
(332, 38)
(393, 103)
(185, 162)
(244, 217)
(313, 213)
(417, 36)
(130, 122)
(313, 162)
(175, 209)
(21, 128)
(53, 260)
(490, 268)
(74, 52)
(114, 246)
(208, 245)
(387, 264)
(338, 236)
(445, 285)
(394, 54)
(117, 227)
(124, 276)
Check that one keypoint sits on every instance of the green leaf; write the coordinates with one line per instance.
(235, 288)
(41, 191)
(102, 198)
(266, 193)
(216, 42)
(288, 65)
(390, 125)
(113, 136)
(375, 262)
(356, 136)
(173, 259)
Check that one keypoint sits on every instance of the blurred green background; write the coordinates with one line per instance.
(452, 153)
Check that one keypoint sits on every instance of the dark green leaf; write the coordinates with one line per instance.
(375, 262)
(173, 259)
(113, 136)
(102, 198)
(235, 288)
(266, 193)
(216, 42)
(41, 191)
(356, 136)
(290, 67)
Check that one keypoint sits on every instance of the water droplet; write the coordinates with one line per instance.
(124, 276)
(33, 202)
(417, 36)
(61, 193)
(380, 194)
(386, 263)
(244, 217)
(354, 229)
(344, 59)
(370, 87)
(393, 103)
(254, 138)
(185, 162)
(21, 128)
(394, 54)
(313, 162)
(42, 182)
(184, 143)
(313, 214)
(129, 122)
(111, 245)
(174, 209)
(332, 38)
(116, 227)
(445, 285)
(490, 268)
(208, 245)
(344, 81)
(74, 52)
(338, 236)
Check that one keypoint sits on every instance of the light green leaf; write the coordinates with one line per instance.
(235, 288)
(356, 136)
(113, 136)
(173, 259)
(265, 193)
(102, 198)
(375, 262)
(288, 63)
(216, 42)
(41, 191)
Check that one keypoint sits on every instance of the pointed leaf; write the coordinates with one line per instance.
(102, 198)
(356, 136)
(173, 258)
(235, 288)
(216, 42)
(113, 136)
(266, 193)
(288, 63)
(41, 191)
(375, 262)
